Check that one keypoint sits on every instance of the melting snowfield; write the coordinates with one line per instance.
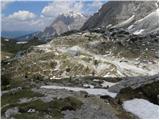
(91, 91)
(142, 108)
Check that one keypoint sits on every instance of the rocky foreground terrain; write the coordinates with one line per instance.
(100, 72)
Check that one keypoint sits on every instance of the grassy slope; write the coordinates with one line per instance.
(10, 48)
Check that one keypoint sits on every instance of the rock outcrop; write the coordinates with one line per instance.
(116, 12)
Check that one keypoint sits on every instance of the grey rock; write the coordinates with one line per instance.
(13, 90)
(31, 110)
(10, 112)
(133, 82)
(24, 100)
(47, 99)
(93, 108)
(149, 23)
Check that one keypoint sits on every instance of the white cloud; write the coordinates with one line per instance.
(24, 21)
(22, 15)
(27, 21)
(57, 7)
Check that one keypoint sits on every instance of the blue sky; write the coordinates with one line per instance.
(36, 15)
(33, 6)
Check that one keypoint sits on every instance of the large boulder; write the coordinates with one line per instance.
(138, 87)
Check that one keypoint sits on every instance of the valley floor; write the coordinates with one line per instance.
(82, 76)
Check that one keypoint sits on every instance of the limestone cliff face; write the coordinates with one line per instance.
(66, 22)
(115, 12)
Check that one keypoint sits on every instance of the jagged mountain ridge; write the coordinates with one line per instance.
(66, 22)
(28, 36)
(149, 23)
(114, 12)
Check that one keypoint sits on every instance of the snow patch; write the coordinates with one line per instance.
(130, 27)
(126, 22)
(72, 14)
(6, 40)
(46, 47)
(107, 84)
(91, 91)
(7, 57)
(31, 110)
(88, 86)
(147, 24)
(55, 78)
(142, 108)
(138, 32)
(156, 4)
(22, 42)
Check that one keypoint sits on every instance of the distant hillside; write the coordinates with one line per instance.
(14, 34)
(29, 36)
(10, 47)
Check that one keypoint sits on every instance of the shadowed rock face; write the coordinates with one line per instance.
(134, 82)
(49, 30)
(138, 87)
(114, 12)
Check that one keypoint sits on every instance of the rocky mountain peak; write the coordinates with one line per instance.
(72, 14)
(66, 22)
(114, 12)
